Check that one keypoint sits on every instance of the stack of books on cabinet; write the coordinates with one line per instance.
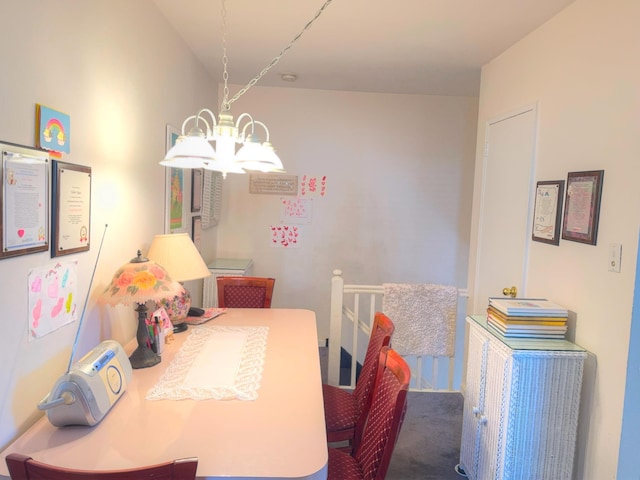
(527, 318)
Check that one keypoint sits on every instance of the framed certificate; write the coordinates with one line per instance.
(71, 206)
(582, 206)
(24, 203)
(547, 212)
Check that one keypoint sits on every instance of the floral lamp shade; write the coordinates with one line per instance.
(139, 281)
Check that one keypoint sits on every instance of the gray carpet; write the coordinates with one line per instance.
(428, 447)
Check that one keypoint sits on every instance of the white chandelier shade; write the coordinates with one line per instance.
(190, 151)
(194, 150)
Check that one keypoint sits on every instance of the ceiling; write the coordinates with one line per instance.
(405, 46)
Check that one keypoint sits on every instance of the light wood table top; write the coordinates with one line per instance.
(280, 435)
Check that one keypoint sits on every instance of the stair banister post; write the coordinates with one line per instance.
(335, 328)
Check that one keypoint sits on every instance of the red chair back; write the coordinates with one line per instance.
(386, 415)
(23, 467)
(381, 333)
(245, 292)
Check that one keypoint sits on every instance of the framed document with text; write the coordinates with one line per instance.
(71, 207)
(547, 212)
(24, 203)
(582, 206)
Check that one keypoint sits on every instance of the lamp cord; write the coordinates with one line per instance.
(226, 103)
(86, 300)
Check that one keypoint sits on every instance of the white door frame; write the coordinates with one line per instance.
(481, 213)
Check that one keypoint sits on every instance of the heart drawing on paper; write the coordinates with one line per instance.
(21, 233)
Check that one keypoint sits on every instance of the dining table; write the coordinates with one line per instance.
(241, 392)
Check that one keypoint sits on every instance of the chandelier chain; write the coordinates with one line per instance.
(225, 60)
(226, 104)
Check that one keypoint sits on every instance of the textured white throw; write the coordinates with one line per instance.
(424, 316)
(215, 362)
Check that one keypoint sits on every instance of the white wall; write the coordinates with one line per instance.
(121, 73)
(397, 208)
(583, 69)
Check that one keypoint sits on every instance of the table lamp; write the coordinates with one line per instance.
(177, 253)
(139, 281)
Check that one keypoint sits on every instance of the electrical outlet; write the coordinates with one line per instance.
(615, 257)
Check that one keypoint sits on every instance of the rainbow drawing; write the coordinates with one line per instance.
(53, 129)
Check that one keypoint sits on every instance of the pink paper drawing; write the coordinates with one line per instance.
(296, 210)
(52, 297)
(285, 236)
(313, 186)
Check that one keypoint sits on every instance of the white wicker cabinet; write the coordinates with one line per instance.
(521, 406)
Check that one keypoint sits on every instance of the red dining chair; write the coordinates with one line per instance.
(23, 467)
(371, 459)
(245, 292)
(344, 410)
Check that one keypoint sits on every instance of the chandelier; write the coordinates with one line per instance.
(195, 149)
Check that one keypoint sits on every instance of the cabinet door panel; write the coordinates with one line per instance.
(495, 408)
(474, 390)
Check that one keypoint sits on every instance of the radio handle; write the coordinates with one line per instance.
(66, 398)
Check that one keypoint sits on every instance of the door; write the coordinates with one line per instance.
(506, 209)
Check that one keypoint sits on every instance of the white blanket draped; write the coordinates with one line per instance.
(424, 316)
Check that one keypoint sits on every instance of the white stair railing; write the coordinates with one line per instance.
(351, 316)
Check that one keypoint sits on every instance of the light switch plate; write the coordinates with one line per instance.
(615, 257)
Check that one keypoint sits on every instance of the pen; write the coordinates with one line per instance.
(152, 339)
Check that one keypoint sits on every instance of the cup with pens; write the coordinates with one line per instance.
(156, 334)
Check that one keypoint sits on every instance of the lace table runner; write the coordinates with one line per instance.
(215, 362)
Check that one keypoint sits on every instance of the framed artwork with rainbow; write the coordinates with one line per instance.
(53, 131)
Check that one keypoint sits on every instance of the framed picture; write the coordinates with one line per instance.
(175, 217)
(582, 206)
(196, 190)
(71, 208)
(547, 212)
(196, 231)
(53, 131)
(24, 203)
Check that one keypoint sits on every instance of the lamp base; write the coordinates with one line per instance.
(142, 357)
(180, 327)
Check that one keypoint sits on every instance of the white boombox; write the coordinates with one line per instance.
(85, 394)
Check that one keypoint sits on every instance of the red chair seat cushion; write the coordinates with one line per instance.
(341, 408)
(343, 466)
